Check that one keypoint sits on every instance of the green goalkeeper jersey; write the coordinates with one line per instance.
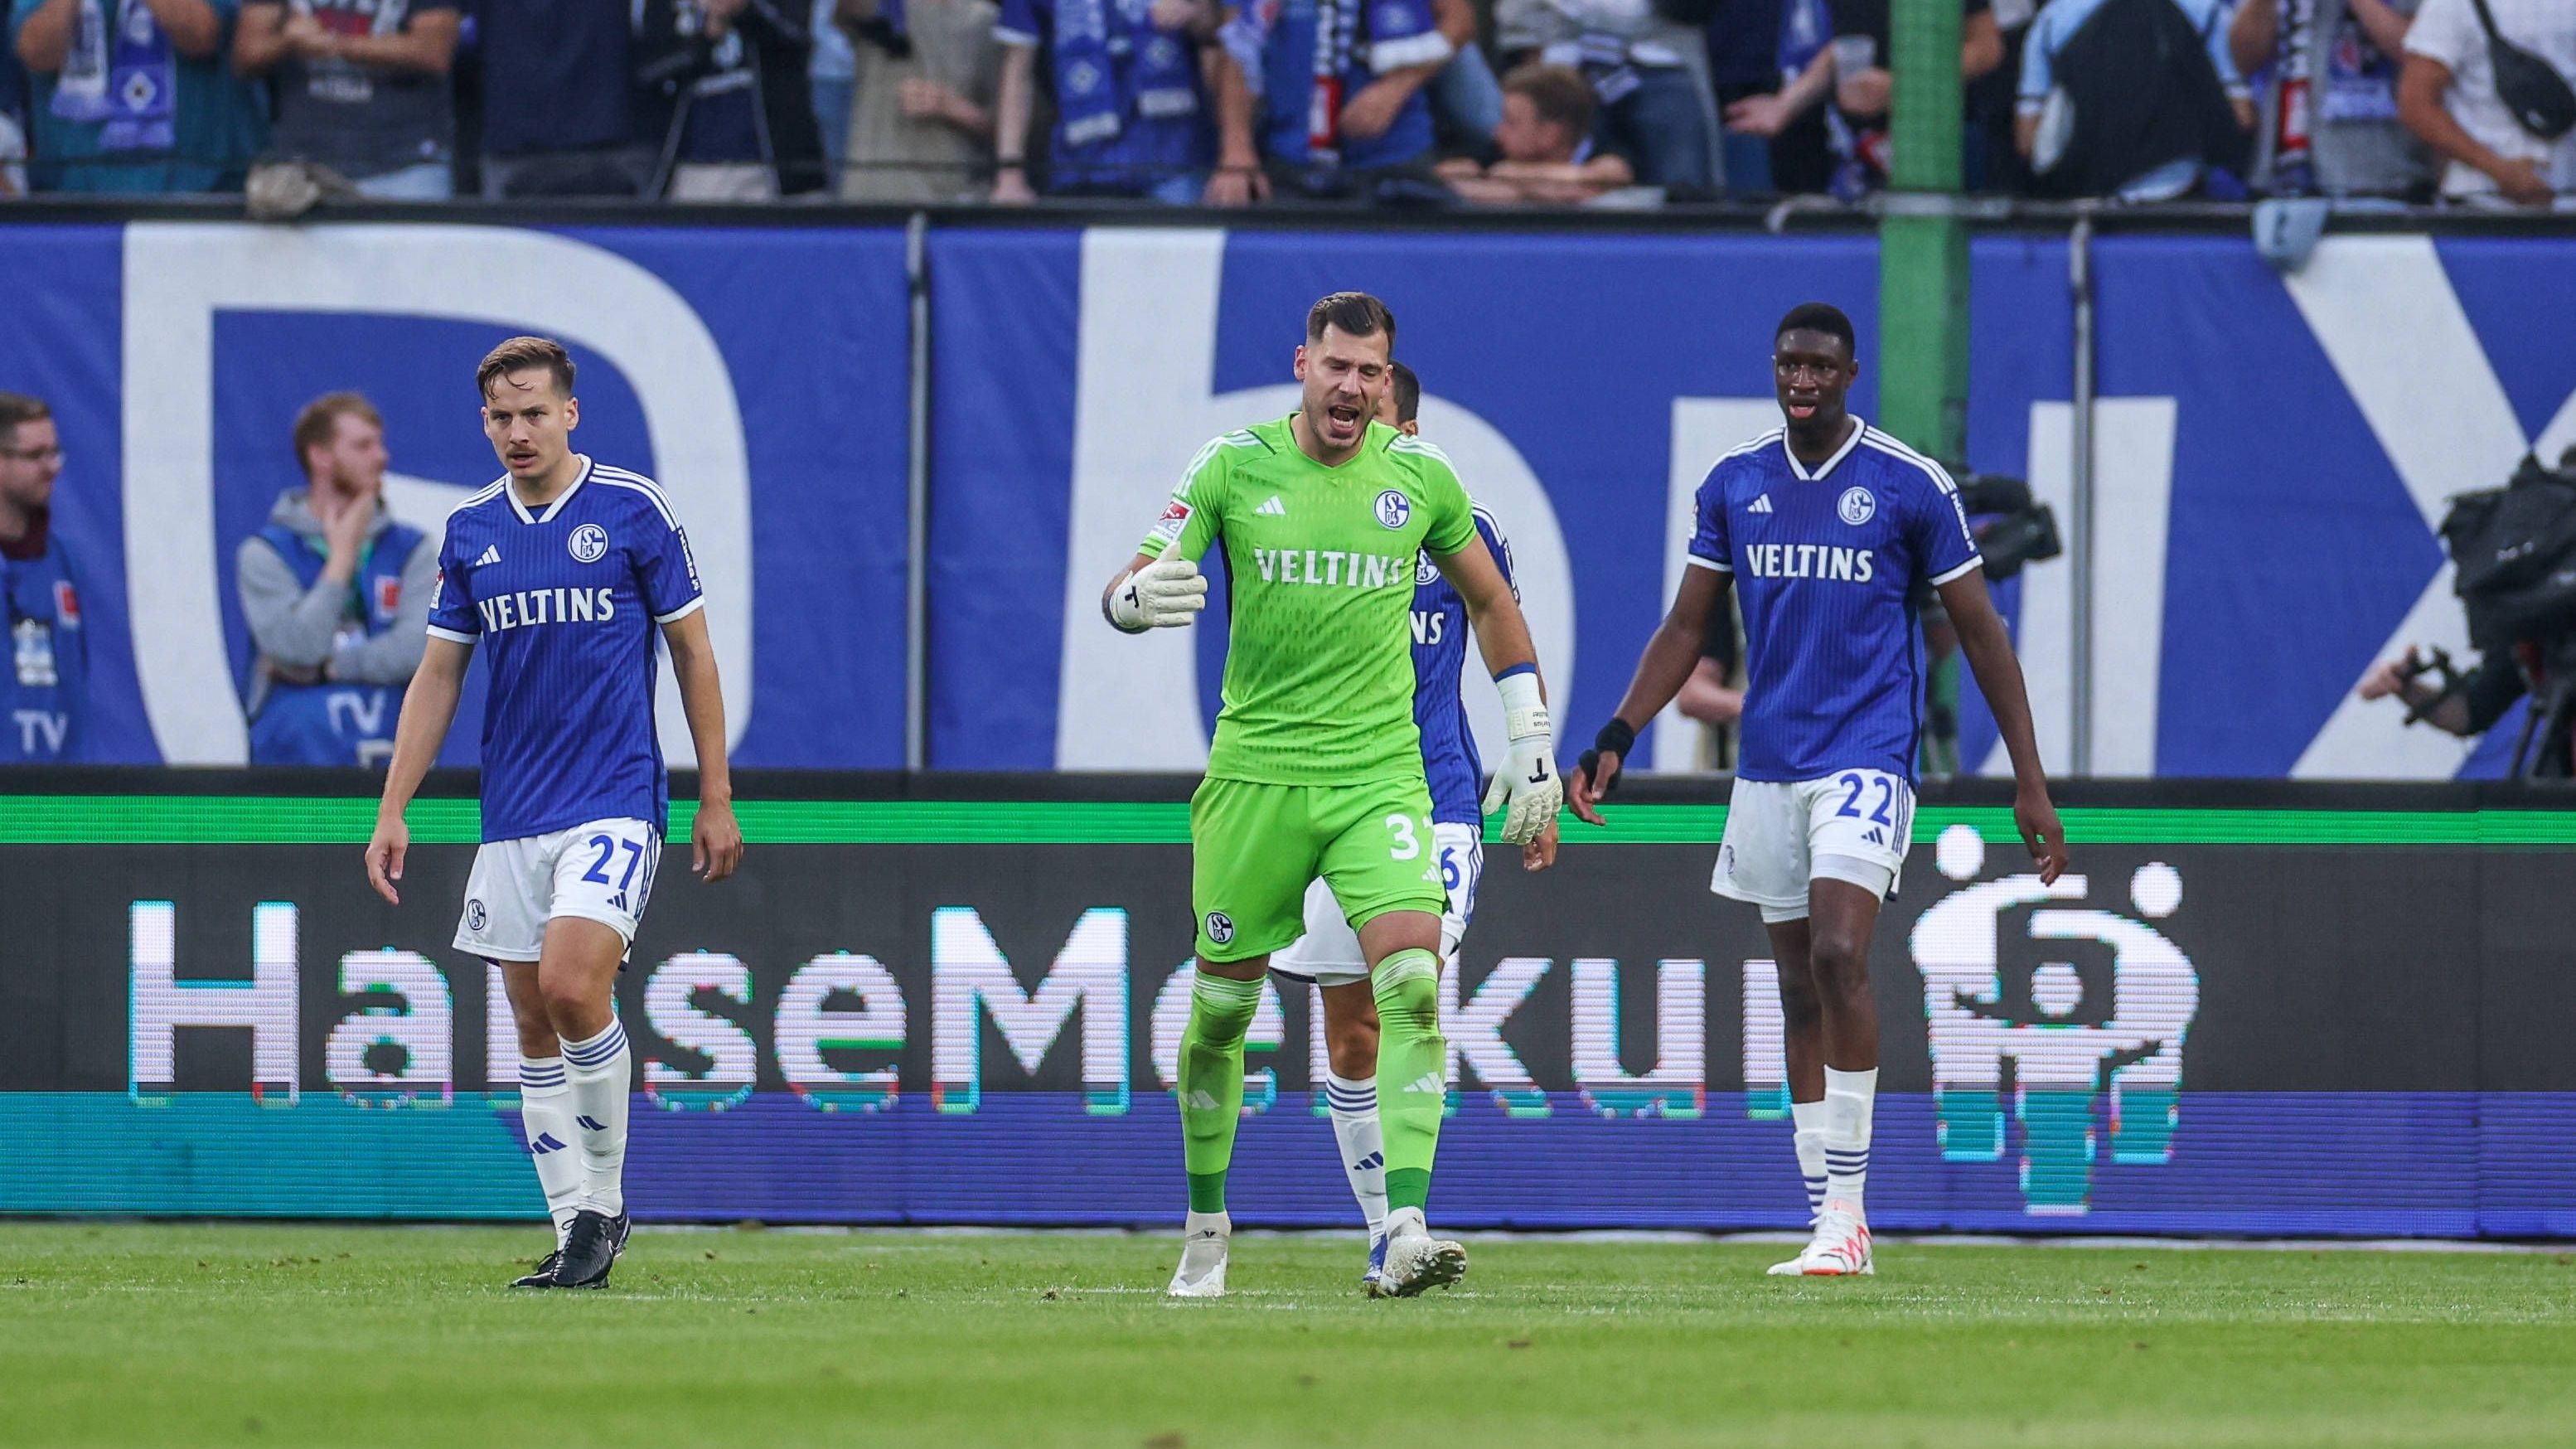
(1320, 574)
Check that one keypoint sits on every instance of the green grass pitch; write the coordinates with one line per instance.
(270, 1335)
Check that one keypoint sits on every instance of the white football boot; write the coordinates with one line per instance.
(1415, 1260)
(1840, 1249)
(1203, 1244)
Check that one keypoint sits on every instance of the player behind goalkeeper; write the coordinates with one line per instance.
(1328, 956)
(1316, 769)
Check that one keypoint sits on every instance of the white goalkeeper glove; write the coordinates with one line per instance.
(1527, 787)
(1164, 594)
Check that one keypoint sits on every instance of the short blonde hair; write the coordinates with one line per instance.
(525, 354)
(314, 425)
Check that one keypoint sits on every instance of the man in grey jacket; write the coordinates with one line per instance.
(336, 594)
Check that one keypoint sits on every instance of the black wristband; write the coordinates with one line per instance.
(1616, 738)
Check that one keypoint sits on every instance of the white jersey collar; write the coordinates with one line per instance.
(510, 487)
(1859, 425)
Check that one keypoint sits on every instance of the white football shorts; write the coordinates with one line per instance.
(600, 871)
(1329, 953)
(1852, 825)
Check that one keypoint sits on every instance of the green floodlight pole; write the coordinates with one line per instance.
(1923, 282)
(1922, 241)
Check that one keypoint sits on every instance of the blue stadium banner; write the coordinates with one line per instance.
(2264, 522)
(758, 374)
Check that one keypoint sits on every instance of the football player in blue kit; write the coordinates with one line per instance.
(1328, 955)
(1823, 526)
(564, 571)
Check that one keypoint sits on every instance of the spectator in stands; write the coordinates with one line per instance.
(1806, 140)
(1743, 60)
(1546, 139)
(833, 75)
(2135, 98)
(136, 96)
(44, 688)
(921, 121)
(2355, 145)
(1131, 114)
(2447, 95)
(337, 595)
(724, 98)
(1648, 73)
(557, 87)
(1849, 78)
(360, 87)
(13, 124)
(1466, 100)
(1992, 162)
(1864, 85)
(1350, 122)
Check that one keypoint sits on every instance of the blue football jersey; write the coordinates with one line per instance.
(1823, 562)
(1439, 654)
(566, 604)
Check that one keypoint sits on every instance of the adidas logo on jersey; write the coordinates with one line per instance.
(491, 555)
(1427, 1082)
(1199, 1102)
(1759, 505)
(1272, 509)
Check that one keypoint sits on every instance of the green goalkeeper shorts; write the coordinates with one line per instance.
(1255, 848)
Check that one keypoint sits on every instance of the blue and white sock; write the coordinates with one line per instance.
(599, 1070)
(554, 1145)
(1851, 1100)
(1363, 1144)
(1809, 1118)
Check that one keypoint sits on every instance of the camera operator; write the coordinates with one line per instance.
(2469, 704)
(2513, 552)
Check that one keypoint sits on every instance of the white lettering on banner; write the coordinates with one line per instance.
(500, 1032)
(179, 275)
(1474, 1026)
(1268, 1030)
(733, 1063)
(41, 731)
(1673, 1087)
(2133, 453)
(364, 711)
(1766, 1042)
(809, 1025)
(970, 977)
(160, 1006)
(1149, 314)
(2385, 314)
(1704, 429)
(400, 1045)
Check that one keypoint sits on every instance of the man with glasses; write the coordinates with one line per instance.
(44, 688)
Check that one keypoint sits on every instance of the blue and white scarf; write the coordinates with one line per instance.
(1109, 54)
(126, 84)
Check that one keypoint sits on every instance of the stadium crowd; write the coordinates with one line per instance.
(1421, 102)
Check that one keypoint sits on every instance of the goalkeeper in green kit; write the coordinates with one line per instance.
(1316, 769)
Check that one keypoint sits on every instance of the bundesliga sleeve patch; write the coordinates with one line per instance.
(1176, 516)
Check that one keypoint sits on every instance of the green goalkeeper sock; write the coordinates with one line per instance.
(1412, 1072)
(1211, 1083)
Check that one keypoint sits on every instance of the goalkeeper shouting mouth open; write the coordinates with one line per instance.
(1316, 768)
